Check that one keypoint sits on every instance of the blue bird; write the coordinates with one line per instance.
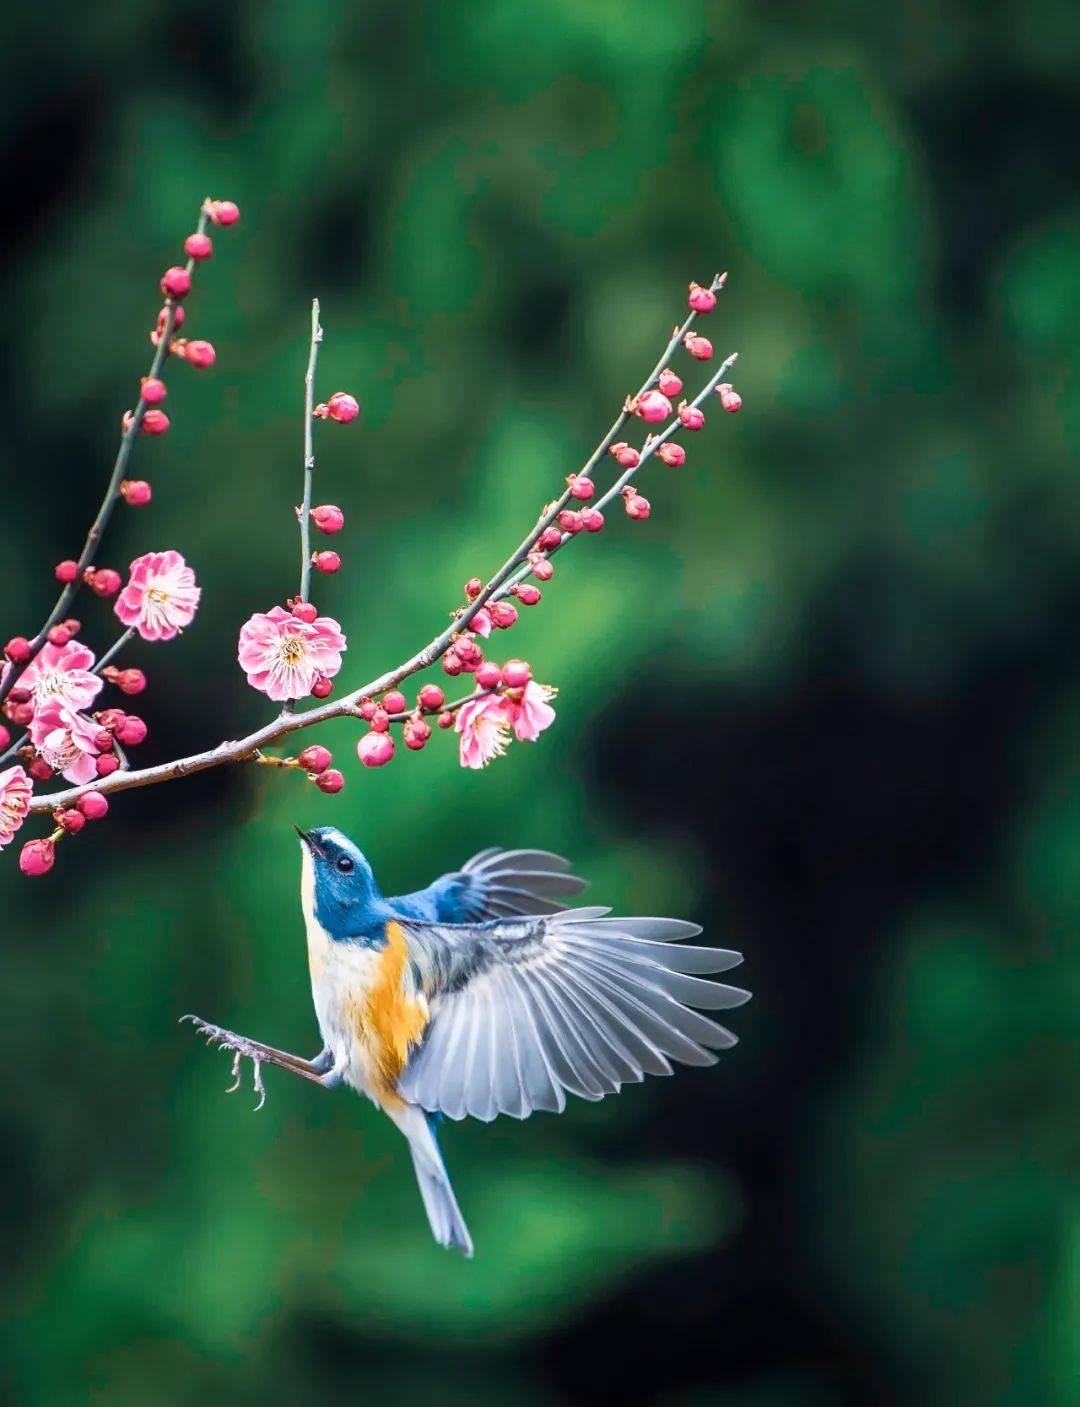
(482, 995)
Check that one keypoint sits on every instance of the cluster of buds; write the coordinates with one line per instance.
(376, 747)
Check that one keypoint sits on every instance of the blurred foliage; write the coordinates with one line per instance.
(828, 699)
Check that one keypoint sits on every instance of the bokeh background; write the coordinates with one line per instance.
(827, 699)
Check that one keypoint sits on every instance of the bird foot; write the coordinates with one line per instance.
(242, 1048)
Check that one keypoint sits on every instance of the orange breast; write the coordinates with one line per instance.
(391, 1021)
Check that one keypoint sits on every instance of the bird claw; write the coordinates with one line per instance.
(242, 1049)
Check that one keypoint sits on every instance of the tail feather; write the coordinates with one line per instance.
(447, 1224)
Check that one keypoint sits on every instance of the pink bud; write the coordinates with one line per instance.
(446, 720)
(198, 246)
(528, 594)
(93, 805)
(503, 613)
(71, 821)
(152, 390)
(671, 454)
(729, 397)
(570, 521)
(451, 664)
(692, 416)
(380, 721)
(593, 519)
(5, 737)
(516, 674)
(395, 701)
(469, 652)
(375, 749)
(60, 634)
(154, 422)
(175, 282)
(199, 354)
(131, 732)
(582, 488)
(625, 454)
(473, 588)
(489, 675)
(702, 300)
(328, 562)
(103, 740)
(551, 537)
(328, 518)
(699, 347)
(223, 212)
(19, 695)
(669, 383)
(368, 709)
(17, 649)
(66, 571)
(40, 770)
(20, 714)
(331, 781)
(111, 718)
(431, 697)
(636, 506)
(36, 857)
(106, 764)
(542, 569)
(131, 681)
(653, 407)
(322, 687)
(305, 611)
(416, 734)
(136, 492)
(342, 407)
(315, 758)
(104, 582)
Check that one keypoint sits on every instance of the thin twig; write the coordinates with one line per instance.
(309, 452)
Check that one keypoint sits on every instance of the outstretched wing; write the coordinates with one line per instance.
(525, 1011)
(495, 883)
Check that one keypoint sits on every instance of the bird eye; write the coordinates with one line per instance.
(344, 864)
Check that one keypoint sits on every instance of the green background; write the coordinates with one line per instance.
(827, 699)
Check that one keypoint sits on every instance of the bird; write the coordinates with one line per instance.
(484, 995)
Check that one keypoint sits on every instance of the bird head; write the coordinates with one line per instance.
(338, 884)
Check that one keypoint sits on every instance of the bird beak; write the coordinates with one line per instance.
(309, 840)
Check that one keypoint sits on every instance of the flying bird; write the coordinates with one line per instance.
(484, 995)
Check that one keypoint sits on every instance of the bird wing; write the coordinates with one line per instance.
(495, 883)
(525, 1011)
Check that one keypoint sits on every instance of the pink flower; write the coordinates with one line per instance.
(283, 656)
(532, 714)
(160, 598)
(15, 790)
(61, 673)
(481, 623)
(484, 731)
(67, 740)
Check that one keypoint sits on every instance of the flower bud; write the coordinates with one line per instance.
(375, 749)
(175, 282)
(516, 674)
(17, 649)
(305, 611)
(340, 407)
(106, 764)
(416, 734)
(367, 709)
(322, 688)
(198, 246)
(489, 675)
(19, 695)
(111, 718)
(131, 681)
(328, 562)
(503, 614)
(136, 492)
(152, 390)
(40, 770)
(60, 634)
(431, 697)
(592, 519)
(93, 805)
(71, 821)
(625, 455)
(5, 737)
(104, 582)
(636, 506)
(582, 488)
(36, 857)
(395, 701)
(542, 569)
(653, 407)
(671, 453)
(692, 416)
(473, 588)
(223, 212)
(131, 732)
(154, 422)
(729, 397)
(452, 664)
(20, 714)
(701, 300)
(330, 781)
(550, 538)
(570, 521)
(103, 740)
(66, 571)
(199, 354)
(469, 653)
(380, 721)
(528, 594)
(315, 758)
(446, 720)
(669, 383)
(328, 518)
(699, 347)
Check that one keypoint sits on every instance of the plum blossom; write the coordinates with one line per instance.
(283, 656)
(67, 740)
(61, 673)
(532, 713)
(484, 731)
(160, 598)
(15, 790)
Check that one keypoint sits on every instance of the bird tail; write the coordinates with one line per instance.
(447, 1224)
